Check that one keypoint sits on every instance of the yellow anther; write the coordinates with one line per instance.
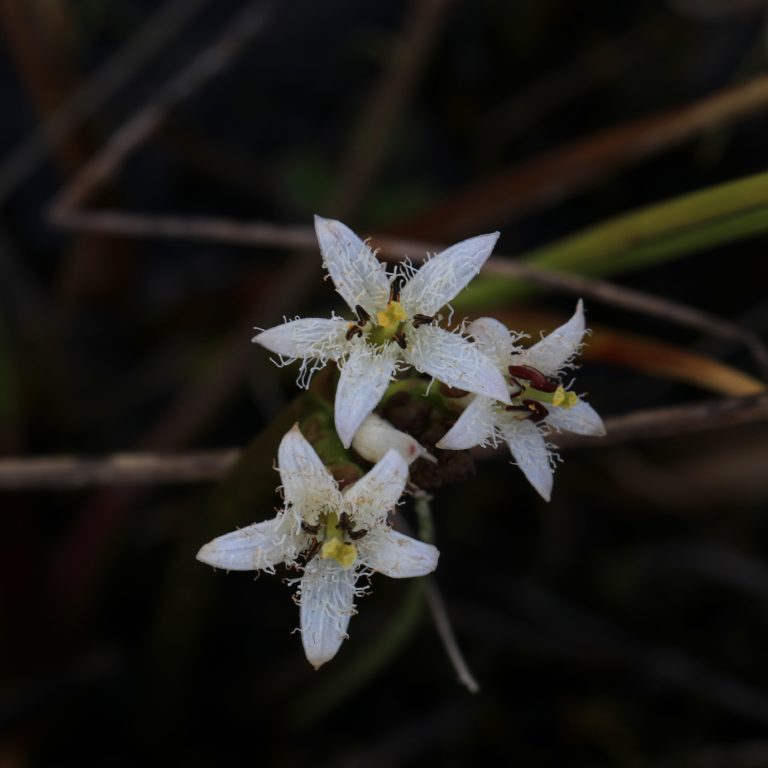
(344, 554)
(571, 398)
(391, 316)
(558, 396)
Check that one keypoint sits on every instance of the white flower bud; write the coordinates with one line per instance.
(376, 436)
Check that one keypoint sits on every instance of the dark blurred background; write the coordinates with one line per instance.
(623, 624)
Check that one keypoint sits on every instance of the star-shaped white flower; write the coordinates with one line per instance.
(334, 537)
(395, 326)
(540, 403)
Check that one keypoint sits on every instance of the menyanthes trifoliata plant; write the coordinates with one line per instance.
(491, 390)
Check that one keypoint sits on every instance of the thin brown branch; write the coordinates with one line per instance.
(55, 472)
(393, 249)
(674, 421)
(51, 472)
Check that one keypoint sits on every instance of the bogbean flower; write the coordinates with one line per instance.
(539, 401)
(395, 325)
(333, 537)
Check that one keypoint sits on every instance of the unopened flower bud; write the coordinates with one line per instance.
(376, 436)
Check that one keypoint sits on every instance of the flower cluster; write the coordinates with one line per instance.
(335, 537)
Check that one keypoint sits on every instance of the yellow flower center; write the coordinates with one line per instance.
(334, 547)
(344, 554)
(391, 316)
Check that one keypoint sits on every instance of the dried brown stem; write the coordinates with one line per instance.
(675, 420)
(55, 472)
(50, 472)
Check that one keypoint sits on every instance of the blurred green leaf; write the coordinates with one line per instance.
(661, 232)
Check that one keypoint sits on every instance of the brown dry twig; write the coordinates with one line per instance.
(55, 472)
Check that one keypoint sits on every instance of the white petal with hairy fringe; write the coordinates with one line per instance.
(399, 556)
(555, 351)
(582, 419)
(309, 337)
(443, 276)
(308, 486)
(475, 426)
(493, 339)
(357, 274)
(530, 452)
(257, 547)
(327, 602)
(453, 360)
(375, 494)
(363, 380)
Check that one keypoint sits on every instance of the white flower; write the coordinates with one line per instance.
(376, 436)
(394, 327)
(540, 403)
(334, 537)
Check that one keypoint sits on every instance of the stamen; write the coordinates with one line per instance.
(355, 535)
(363, 318)
(396, 287)
(419, 320)
(353, 330)
(533, 409)
(537, 378)
(312, 551)
(401, 340)
(307, 528)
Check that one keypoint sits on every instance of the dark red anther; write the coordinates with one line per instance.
(312, 551)
(537, 378)
(307, 528)
(395, 287)
(355, 535)
(353, 330)
(400, 339)
(419, 320)
(533, 409)
(362, 316)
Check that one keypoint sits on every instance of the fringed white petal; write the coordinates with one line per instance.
(493, 339)
(443, 276)
(256, 547)
(531, 454)
(307, 485)
(555, 351)
(455, 361)
(307, 337)
(358, 275)
(362, 382)
(581, 419)
(398, 556)
(376, 436)
(373, 495)
(475, 426)
(327, 602)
